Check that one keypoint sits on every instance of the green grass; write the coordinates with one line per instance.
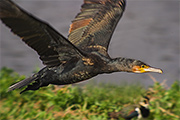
(87, 102)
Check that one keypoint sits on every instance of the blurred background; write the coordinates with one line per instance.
(148, 31)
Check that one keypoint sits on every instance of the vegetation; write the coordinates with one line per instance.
(87, 102)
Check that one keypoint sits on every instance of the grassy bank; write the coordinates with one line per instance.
(87, 102)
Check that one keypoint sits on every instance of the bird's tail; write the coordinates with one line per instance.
(23, 83)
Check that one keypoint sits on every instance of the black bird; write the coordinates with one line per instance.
(79, 57)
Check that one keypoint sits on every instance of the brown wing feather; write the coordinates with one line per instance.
(52, 47)
(92, 28)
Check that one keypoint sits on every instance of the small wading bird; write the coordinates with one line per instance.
(139, 111)
(80, 57)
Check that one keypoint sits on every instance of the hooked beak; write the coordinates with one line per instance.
(138, 69)
(151, 69)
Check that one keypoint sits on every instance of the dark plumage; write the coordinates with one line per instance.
(81, 56)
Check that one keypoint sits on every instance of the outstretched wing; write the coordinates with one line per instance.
(52, 47)
(92, 28)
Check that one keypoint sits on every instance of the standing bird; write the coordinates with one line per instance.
(79, 57)
(139, 111)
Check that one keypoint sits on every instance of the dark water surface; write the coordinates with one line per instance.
(148, 31)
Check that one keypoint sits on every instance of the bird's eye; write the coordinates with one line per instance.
(142, 66)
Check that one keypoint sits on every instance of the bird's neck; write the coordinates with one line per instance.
(120, 64)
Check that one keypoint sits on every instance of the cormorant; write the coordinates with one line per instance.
(79, 57)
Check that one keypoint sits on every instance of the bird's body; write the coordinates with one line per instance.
(139, 111)
(82, 55)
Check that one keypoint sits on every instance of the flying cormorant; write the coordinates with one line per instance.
(79, 57)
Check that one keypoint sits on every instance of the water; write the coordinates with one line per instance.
(148, 31)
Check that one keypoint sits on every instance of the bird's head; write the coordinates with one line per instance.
(132, 65)
(140, 67)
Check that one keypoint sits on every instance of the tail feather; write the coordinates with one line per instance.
(22, 83)
(35, 86)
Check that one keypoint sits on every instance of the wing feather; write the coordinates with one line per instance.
(92, 28)
(52, 47)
